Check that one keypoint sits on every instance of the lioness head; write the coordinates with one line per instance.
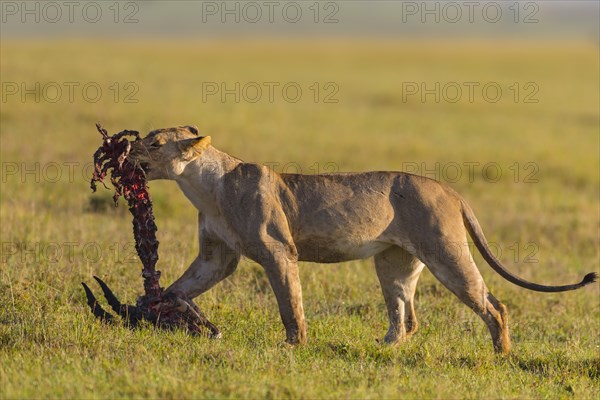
(164, 153)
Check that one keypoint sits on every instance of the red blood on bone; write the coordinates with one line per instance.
(130, 182)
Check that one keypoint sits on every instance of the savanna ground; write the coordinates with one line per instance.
(544, 220)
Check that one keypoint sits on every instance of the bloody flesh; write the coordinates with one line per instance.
(166, 310)
(129, 181)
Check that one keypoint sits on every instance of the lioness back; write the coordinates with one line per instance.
(349, 216)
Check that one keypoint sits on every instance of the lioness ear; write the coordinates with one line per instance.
(192, 129)
(192, 148)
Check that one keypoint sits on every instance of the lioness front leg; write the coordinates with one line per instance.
(215, 262)
(280, 262)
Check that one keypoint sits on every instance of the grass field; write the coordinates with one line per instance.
(542, 212)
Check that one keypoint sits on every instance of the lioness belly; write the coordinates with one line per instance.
(332, 251)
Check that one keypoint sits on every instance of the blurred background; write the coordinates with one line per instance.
(482, 95)
(314, 19)
(498, 99)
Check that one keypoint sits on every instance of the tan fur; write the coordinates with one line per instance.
(404, 221)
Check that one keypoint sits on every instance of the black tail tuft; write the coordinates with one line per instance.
(589, 278)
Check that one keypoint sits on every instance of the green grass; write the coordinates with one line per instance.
(50, 345)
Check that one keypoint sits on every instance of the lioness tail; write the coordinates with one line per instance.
(478, 237)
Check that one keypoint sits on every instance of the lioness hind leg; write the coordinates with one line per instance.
(398, 272)
(459, 273)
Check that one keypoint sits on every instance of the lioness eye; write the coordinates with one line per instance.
(155, 144)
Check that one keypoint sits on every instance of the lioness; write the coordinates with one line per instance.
(405, 221)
